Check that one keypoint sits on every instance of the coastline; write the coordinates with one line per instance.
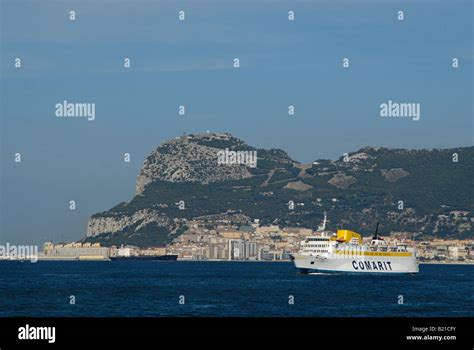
(445, 263)
(220, 260)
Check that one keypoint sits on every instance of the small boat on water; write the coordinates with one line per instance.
(128, 254)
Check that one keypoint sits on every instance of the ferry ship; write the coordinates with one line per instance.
(343, 251)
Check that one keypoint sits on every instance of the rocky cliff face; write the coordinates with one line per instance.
(191, 158)
(117, 223)
(421, 192)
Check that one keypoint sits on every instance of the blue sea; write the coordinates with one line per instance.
(218, 289)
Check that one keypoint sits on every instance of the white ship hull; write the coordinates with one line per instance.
(356, 264)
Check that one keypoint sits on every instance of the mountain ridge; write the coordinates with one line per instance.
(356, 189)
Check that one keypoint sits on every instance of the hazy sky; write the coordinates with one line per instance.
(191, 63)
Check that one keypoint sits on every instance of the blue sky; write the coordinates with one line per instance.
(190, 63)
